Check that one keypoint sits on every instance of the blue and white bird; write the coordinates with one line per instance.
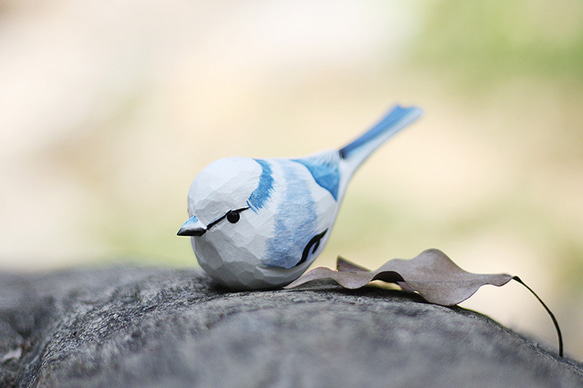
(260, 223)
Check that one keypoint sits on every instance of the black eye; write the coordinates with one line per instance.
(233, 216)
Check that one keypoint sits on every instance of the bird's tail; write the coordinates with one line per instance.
(357, 151)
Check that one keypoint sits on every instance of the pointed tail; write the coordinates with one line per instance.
(356, 152)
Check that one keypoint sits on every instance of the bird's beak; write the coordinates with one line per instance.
(192, 227)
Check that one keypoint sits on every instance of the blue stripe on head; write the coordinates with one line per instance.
(262, 193)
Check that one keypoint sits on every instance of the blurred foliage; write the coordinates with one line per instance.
(485, 42)
(524, 59)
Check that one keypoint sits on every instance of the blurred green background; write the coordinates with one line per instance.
(109, 109)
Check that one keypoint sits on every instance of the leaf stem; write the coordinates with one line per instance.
(555, 322)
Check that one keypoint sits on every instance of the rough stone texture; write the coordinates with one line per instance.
(153, 327)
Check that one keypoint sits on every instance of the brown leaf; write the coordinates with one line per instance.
(431, 274)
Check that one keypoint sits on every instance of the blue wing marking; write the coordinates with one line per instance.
(325, 173)
(295, 222)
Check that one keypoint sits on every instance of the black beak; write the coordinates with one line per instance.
(186, 231)
(192, 227)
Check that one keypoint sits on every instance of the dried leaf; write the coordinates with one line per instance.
(432, 274)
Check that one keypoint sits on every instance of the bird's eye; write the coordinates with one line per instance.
(233, 217)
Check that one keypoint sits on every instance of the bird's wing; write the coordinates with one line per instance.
(325, 170)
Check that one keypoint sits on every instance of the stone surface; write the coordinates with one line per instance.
(154, 327)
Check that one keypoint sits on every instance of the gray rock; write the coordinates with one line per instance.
(152, 327)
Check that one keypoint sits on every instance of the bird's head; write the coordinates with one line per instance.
(226, 205)
(219, 194)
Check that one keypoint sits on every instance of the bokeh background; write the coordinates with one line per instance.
(108, 109)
